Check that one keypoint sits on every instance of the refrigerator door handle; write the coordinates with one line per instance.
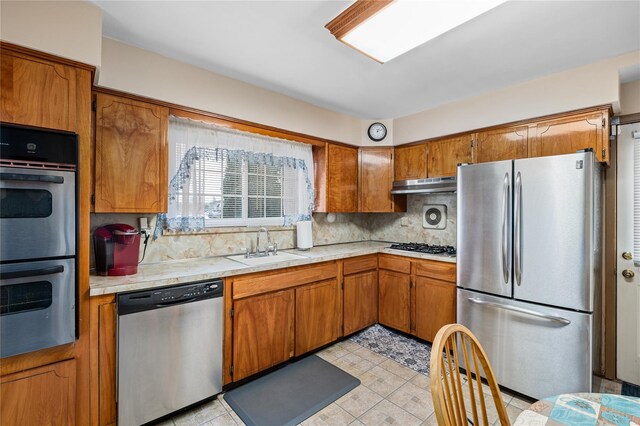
(517, 237)
(505, 241)
(520, 310)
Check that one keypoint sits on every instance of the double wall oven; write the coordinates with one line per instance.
(38, 234)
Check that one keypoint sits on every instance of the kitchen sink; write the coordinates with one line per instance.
(282, 256)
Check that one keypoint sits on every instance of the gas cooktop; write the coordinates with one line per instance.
(425, 248)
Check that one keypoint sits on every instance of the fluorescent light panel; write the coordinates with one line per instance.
(406, 24)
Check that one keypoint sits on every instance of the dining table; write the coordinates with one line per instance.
(582, 409)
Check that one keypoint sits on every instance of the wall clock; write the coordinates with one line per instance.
(377, 132)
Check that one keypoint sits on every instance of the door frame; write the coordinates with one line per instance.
(610, 255)
(610, 247)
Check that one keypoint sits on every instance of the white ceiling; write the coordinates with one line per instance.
(283, 46)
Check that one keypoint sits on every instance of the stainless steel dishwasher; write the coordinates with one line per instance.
(169, 349)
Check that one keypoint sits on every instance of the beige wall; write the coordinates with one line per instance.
(70, 29)
(630, 98)
(591, 85)
(364, 137)
(145, 73)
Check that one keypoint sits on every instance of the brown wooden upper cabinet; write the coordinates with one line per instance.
(376, 179)
(505, 143)
(569, 134)
(131, 156)
(444, 155)
(336, 178)
(37, 92)
(410, 162)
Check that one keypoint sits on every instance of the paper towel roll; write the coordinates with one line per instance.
(304, 236)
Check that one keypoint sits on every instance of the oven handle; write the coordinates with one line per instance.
(31, 272)
(31, 178)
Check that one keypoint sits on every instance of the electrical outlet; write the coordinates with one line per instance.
(404, 221)
(144, 224)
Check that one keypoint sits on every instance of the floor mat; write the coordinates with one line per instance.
(402, 349)
(629, 389)
(291, 394)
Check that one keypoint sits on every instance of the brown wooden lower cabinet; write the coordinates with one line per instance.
(103, 359)
(360, 300)
(394, 300)
(416, 296)
(40, 396)
(318, 315)
(262, 332)
(279, 314)
(435, 306)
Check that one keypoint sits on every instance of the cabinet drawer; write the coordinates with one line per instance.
(438, 270)
(360, 264)
(393, 263)
(250, 285)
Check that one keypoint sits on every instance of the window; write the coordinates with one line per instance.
(221, 177)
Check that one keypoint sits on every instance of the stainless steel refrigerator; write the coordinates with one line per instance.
(529, 269)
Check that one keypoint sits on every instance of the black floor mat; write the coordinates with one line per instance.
(630, 390)
(291, 394)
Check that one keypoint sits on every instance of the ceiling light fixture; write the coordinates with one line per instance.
(385, 29)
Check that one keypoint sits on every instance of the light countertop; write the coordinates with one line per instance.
(160, 274)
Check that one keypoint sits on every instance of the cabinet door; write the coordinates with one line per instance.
(376, 178)
(103, 354)
(570, 134)
(444, 155)
(360, 301)
(411, 162)
(342, 179)
(394, 300)
(131, 156)
(37, 92)
(41, 396)
(501, 144)
(262, 332)
(318, 315)
(435, 306)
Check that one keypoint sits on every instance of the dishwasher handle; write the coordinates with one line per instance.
(176, 302)
(131, 303)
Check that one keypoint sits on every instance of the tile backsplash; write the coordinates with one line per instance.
(397, 227)
(407, 227)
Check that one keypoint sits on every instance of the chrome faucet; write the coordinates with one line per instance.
(268, 248)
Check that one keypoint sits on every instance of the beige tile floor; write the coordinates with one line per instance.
(389, 394)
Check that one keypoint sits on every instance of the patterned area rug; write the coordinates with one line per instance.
(402, 349)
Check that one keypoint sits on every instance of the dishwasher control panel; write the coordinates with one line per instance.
(159, 298)
(185, 292)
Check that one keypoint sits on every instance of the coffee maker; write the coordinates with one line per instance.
(116, 249)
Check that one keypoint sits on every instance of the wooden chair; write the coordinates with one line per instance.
(448, 391)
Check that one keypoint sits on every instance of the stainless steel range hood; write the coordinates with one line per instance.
(425, 186)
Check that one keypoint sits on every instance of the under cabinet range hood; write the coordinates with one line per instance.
(425, 186)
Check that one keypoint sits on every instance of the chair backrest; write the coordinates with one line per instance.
(457, 403)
